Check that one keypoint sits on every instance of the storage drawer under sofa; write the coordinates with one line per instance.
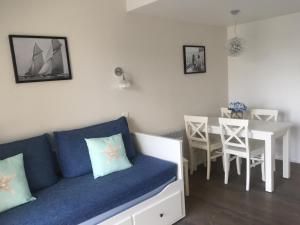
(167, 211)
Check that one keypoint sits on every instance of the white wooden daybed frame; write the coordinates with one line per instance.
(168, 206)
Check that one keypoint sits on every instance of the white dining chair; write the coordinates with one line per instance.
(198, 139)
(225, 112)
(242, 147)
(264, 114)
(269, 115)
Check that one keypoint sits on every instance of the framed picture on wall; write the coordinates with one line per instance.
(40, 58)
(194, 59)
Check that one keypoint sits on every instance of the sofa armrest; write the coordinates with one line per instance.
(162, 148)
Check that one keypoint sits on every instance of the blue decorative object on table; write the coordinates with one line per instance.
(237, 106)
(237, 109)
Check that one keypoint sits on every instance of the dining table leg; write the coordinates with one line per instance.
(286, 154)
(269, 144)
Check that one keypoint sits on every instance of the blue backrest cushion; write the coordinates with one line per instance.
(39, 161)
(72, 150)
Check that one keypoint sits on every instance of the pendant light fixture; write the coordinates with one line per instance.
(235, 46)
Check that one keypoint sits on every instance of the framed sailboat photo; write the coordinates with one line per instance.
(40, 58)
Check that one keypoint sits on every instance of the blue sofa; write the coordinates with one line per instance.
(74, 197)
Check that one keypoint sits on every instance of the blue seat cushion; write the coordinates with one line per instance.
(75, 200)
(39, 162)
(72, 151)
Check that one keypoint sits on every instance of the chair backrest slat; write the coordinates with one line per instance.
(225, 112)
(264, 114)
(196, 128)
(234, 133)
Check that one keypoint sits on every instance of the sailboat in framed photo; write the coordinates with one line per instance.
(40, 58)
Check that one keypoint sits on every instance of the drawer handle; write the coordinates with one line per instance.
(161, 215)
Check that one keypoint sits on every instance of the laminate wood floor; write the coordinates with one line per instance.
(214, 203)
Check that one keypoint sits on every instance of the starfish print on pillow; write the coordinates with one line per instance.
(5, 183)
(112, 152)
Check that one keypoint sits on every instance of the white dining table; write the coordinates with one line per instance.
(269, 132)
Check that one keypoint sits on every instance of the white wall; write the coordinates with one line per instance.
(101, 36)
(267, 75)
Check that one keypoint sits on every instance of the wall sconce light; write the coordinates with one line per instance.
(123, 82)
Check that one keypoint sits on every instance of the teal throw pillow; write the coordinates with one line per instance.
(14, 189)
(107, 155)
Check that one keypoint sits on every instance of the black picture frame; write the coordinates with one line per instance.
(194, 59)
(40, 58)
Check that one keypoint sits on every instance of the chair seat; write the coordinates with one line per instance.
(257, 147)
(214, 141)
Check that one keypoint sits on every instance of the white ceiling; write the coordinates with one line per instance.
(216, 12)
